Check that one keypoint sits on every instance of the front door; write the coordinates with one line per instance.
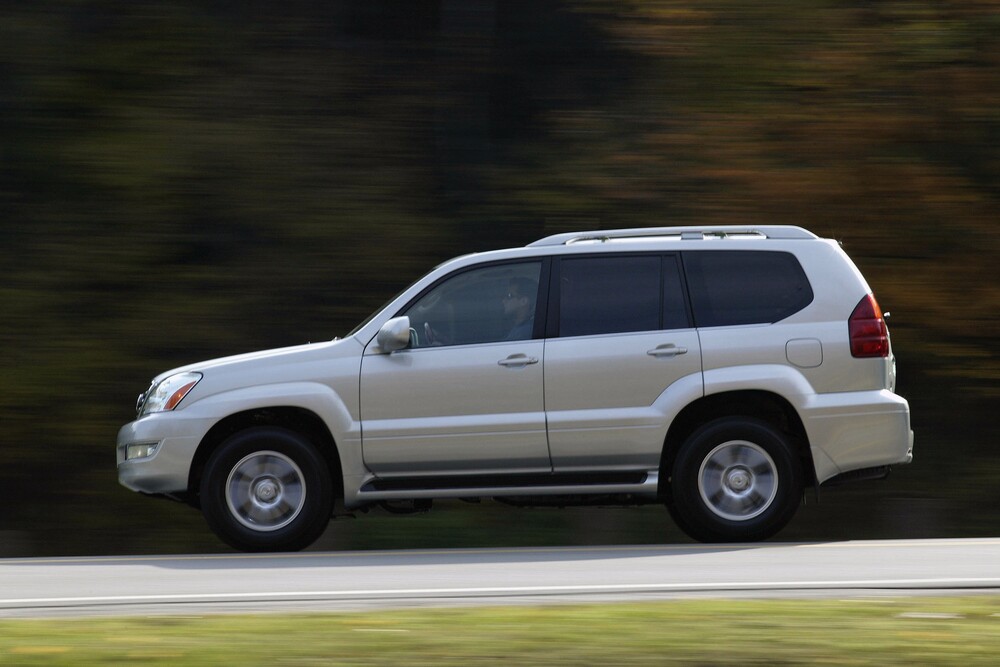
(467, 396)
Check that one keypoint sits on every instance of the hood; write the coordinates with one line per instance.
(294, 353)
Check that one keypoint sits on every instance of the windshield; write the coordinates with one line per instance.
(374, 313)
(378, 310)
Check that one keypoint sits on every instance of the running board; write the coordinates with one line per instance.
(543, 484)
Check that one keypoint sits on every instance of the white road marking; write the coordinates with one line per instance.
(503, 591)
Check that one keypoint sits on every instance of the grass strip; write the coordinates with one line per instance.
(879, 631)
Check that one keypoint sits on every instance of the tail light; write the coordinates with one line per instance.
(869, 335)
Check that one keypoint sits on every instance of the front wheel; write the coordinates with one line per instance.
(267, 489)
(735, 480)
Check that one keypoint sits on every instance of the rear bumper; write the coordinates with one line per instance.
(857, 430)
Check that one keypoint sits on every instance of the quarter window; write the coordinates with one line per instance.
(745, 287)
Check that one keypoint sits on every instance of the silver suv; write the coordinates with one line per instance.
(720, 371)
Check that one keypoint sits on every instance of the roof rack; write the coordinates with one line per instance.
(785, 232)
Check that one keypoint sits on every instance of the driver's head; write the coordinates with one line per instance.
(520, 297)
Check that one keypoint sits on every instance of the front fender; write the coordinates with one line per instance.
(313, 396)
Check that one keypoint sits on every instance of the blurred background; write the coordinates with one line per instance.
(186, 180)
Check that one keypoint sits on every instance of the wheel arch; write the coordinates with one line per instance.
(758, 404)
(297, 419)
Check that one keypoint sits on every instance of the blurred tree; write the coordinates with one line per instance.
(182, 181)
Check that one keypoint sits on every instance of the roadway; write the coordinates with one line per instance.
(346, 581)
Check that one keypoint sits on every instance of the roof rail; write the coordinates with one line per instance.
(785, 232)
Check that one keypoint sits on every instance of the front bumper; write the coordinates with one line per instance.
(167, 470)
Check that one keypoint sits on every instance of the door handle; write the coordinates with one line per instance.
(666, 350)
(517, 361)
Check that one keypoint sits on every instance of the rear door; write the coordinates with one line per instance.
(620, 347)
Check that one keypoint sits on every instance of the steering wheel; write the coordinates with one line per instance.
(432, 337)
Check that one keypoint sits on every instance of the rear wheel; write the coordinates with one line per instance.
(267, 489)
(735, 479)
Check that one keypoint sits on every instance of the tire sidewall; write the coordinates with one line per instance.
(692, 514)
(311, 520)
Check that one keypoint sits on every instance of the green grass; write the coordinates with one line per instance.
(880, 631)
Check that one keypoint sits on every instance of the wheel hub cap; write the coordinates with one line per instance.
(738, 480)
(265, 491)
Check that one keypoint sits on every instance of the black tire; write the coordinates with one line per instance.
(735, 479)
(267, 489)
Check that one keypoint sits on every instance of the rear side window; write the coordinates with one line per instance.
(739, 287)
(600, 295)
(617, 294)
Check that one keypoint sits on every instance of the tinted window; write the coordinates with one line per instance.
(738, 287)
(482, 305)
(601, 295)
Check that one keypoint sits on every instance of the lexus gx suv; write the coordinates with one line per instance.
(719, 371)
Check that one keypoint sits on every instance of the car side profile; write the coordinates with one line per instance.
(720, 371)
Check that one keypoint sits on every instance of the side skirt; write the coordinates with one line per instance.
(521, 486)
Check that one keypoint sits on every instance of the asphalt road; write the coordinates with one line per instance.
(381, 579)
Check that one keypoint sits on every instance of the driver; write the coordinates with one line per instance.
(519, 306)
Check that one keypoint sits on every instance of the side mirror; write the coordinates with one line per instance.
(394, 334)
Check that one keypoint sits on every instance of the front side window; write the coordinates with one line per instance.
(745, 287)
(482, 305)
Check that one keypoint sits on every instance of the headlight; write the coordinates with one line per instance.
(168, 393)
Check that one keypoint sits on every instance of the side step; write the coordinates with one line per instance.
(520, 484)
